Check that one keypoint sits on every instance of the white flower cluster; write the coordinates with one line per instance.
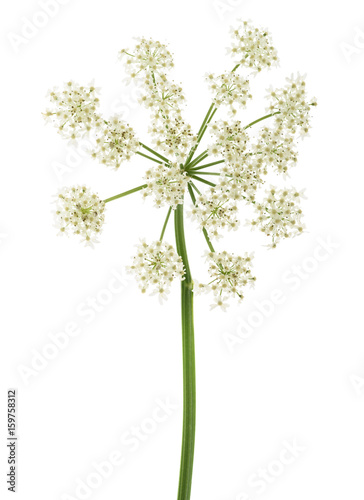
(80, 211)
(231, 140)
(253, 47)
(74, 113)
(174, 140)
(229, 275)
(276, 148)
(149, 55)
(279, 214)
(242, 171)
(230, 89)
(215, 211)
(247, 160)
(156, 265)
(73, 109)
(293, 105)
(115, 142)
(167, 183)
(147, 66)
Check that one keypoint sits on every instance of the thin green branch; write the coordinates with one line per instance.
(203, 173)
(154, 152)
(121, 195)
(209, 165)
(149, 157)
(197, 160)
(200, 134)
(193, 198)
(208, 241)
(261, 119)
(203, 180)
(165, 224)
(195, 188)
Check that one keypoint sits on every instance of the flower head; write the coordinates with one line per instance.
(80, 211)
(252, 47)
(175, 140)
(115, 142)
(149, 55)
(148, 64)
(215, 211)
(279, 214)
(229, 89)
(156, 265)
(73, 110)
(292, 105)
(242, 172)
(276, 148)
(229, 274)
(167, 183)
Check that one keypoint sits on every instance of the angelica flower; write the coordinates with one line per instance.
(115, 142)
(74, 109)
(80, 211)
(167, 183)
(229, 274)
(229, 89)
(149, 62)
(156, 265)
(279, 215)
(252, 47)
(149, 56)
(215, 211)
(242, 172)
(231, 140)
(175, 140)
(276, 148)
(292, 105)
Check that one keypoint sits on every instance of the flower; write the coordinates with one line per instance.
(175, 140)
(252, 47)
(74, 109)
(276, 148)
(156, 265)
(229, 89)
(148, 66)
(115, 142)
(292, 105)
(279, 214)
(167, 183)
(215, 211)
(242, 171)
(149, 55)
(229, 274)
(80, 211)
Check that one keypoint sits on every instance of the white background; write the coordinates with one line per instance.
(297, 377)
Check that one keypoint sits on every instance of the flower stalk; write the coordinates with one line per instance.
(189, 371)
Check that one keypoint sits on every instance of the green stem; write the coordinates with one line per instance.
(165, 224)
(149, 157)
(203, 180)
(191, 192)
(210, 245)
(203, 173)
(209, 165)
(121, 195)
(200, 133)
(189, 371)
(193, 198)
(154, 152)
(197, 160)
(261, 119)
